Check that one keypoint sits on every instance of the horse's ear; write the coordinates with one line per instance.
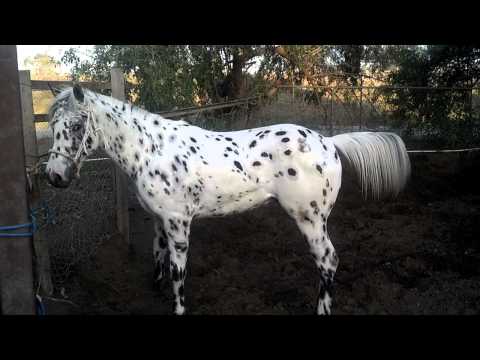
(55, 91)
(78, 93)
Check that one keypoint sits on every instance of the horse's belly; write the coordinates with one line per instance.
(219, 205)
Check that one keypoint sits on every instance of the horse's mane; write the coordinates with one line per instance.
(66, 100)
(63, 99)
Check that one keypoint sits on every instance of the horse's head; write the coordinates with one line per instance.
(74, 136)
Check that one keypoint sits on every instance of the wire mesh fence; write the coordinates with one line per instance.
(83, 217)
(85, 212)
(418, 114)
(79, 218)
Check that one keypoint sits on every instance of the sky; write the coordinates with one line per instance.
(56, 51)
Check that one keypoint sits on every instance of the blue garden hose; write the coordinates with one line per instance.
(39, 305)
(32, 225)
(40, 308)
(15, 227)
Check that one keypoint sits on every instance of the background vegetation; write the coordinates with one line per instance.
(176, 76)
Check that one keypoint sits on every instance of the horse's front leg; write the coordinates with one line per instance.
(178, 231)
(160, 250)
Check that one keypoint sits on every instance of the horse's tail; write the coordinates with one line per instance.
(380, 161)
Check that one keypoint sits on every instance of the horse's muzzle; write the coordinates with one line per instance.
(57, 181)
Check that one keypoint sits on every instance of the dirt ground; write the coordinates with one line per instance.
(418, 254)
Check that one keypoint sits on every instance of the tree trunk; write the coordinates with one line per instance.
(237, 84)
(352, 62)
(233, 87)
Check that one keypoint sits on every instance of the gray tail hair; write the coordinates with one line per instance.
(379, 160)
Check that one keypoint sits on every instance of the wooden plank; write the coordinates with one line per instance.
(38, 118)
(40, 244)
(380, 87)
(180, 112)
(45, 84)
(121, 185)
(29, 134)
(16, 274)
(231, 102)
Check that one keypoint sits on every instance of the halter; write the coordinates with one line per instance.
(89, 127)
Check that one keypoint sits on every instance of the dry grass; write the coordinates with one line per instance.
(325, 115)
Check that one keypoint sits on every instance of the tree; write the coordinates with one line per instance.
(172, 76)
(297, 64)
(183, 75)
(445, 113)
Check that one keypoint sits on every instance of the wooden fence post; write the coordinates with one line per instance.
(16, 275)
(247, 114)
(121, 184)
(40, 244)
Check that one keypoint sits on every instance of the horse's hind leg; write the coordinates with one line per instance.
(310, 208)
(325, 258)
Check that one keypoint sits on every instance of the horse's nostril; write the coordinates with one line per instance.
(55, 179)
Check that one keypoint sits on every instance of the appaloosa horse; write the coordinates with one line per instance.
(182, 171)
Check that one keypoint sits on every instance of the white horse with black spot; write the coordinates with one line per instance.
(182, 171)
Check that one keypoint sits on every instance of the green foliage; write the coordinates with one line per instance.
(445, 114)
(167, 77)
(160, 75)
(294, 63)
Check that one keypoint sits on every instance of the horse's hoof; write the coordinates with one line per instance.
(179, 311)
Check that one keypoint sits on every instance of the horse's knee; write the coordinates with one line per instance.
(181, 247)
(159, 271)
(177, 271)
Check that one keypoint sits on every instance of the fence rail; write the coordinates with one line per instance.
(216, 106)
(380, 87)
(42, 85)
(39, 118)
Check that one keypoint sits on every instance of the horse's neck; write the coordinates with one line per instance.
(115, 127)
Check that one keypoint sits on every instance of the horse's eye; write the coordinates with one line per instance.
(76, 127)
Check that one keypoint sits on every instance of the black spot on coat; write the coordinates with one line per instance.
(238, 165)
(302, 133)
